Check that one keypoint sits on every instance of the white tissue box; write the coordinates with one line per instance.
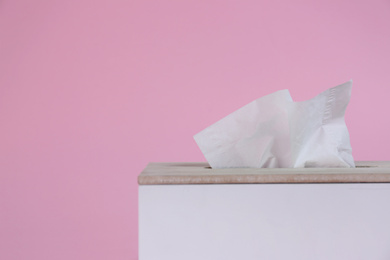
(188, 211)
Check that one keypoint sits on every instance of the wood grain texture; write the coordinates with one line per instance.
(201, 173)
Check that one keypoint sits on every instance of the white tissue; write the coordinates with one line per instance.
(273, 131)
(253, 136)
(318, 133)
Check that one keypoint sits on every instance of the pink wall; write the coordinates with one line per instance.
(90, 91)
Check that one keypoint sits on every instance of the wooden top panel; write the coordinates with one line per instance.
(201, 173)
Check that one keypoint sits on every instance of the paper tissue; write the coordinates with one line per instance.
(273, 131)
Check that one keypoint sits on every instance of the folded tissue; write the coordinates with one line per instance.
(276, 132)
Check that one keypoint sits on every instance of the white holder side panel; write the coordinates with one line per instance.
(264, 221)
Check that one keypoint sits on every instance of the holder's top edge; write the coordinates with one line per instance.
(201, 173)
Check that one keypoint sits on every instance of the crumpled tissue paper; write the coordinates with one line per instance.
(276, 132)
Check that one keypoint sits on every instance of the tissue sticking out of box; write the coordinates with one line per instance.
(275, 132)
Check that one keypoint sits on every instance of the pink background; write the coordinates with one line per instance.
(91, 91)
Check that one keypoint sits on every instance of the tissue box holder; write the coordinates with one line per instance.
(190, 211)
